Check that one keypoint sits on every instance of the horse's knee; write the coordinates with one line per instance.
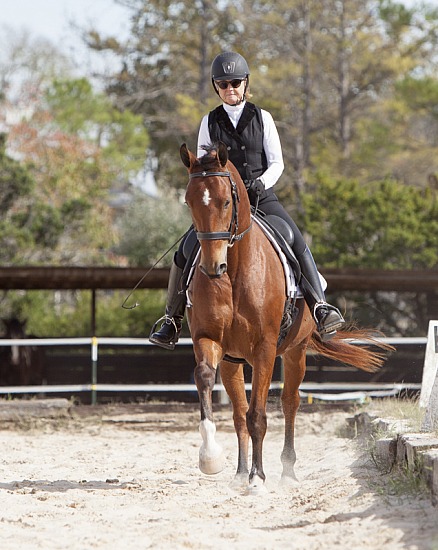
(256, 421)
(205, 376)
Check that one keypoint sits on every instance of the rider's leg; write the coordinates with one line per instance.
(328, 318)
(168, 334)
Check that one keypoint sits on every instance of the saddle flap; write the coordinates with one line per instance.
(284, 237)
(282, 227)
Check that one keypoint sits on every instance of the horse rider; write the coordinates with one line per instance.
(253, 143)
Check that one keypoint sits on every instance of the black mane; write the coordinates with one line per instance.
(210, 158)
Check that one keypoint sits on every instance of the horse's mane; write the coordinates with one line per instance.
(210, 158)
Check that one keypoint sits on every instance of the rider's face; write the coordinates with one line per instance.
(231, 95)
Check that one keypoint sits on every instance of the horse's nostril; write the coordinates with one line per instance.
(222, 269)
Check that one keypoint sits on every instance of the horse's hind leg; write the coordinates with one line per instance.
(233, 379)
(294, 370)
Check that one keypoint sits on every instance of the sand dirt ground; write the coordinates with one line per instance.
(126, 477)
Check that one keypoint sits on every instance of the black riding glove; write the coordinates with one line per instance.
(255, 189)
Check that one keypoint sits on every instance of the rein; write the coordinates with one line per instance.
(229, 236)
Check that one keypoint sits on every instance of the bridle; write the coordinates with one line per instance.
(230, 236)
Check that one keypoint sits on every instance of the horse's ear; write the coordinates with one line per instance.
(185, 154)
(222, 153)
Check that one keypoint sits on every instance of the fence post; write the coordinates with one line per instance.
(430, 363)
(429, 386)
(93, 370)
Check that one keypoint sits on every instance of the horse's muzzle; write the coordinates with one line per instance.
(216, 273)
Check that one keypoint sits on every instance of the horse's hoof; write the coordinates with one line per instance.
(239, 482)
(211, 456)
(256, 487)
(288, 481)
(212, 465)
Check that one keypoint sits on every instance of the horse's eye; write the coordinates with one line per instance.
(227, 204)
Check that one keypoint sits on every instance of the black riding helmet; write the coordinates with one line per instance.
(229, 66)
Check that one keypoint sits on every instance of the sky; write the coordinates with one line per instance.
(58, 21)
(52, 18)
(55, 20)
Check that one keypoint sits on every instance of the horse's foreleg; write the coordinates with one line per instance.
(211, 457)
(294, 370)
(257, 422)
(233, 379)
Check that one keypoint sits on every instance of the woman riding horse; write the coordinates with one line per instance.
(254, 148)
(237, 296)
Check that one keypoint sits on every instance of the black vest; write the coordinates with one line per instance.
(244, 143)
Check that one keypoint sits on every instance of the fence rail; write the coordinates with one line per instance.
(344, 390)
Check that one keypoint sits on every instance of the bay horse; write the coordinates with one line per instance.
(237, 296)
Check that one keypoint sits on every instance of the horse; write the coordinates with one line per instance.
(236, 299)
(19, 365)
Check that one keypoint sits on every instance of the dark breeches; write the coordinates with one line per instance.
(272, 206)
(186, 247)
(269, 205)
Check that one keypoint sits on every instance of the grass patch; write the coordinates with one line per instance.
(400, 416)
(400, 481)
(405, 410)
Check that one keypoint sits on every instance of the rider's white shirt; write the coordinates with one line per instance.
(271, 142)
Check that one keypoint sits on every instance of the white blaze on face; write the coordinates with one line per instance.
(206, 197)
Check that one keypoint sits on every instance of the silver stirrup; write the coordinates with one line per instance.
(331, 330)
(167, 320)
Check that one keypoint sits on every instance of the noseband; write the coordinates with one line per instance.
(230, 236)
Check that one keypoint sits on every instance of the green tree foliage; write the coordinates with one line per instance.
(68, 313)
(15, 180)
(325, 69)
(119, 135)
(149, 227)
(26, 225)
(78, 147)
(385, 225)
(165, 70)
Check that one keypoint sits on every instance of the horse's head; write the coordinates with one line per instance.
(213, 194)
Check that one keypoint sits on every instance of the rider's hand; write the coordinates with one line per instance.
(256, 188)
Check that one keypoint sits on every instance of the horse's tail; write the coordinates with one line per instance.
(341, 348)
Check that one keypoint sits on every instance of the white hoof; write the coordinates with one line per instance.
(212, 465)
(211, 456)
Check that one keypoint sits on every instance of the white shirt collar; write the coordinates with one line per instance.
(234, 112)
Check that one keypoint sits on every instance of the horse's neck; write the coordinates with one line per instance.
(240, 255)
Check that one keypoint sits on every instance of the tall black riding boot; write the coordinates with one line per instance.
(167, 336)
(328, 318)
